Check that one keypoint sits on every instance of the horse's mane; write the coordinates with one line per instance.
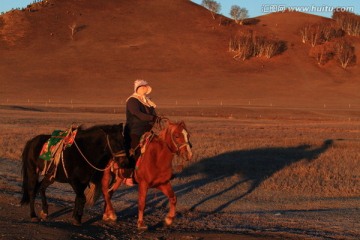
(163, 129)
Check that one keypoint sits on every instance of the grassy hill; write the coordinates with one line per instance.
(175, 45)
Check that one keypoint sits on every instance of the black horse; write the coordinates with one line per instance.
(81, 163)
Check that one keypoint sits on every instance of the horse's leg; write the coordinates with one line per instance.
(32, 188)
(109, 213)
(169, 192)
(143, 188)
(80, 201)
(45, 183)
(115, 186)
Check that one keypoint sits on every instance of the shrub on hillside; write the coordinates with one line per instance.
(327, 40)
(345, 53)
(248, 45)
(349, 22)
(330, 31)
(239, 14)
(323, 53)
(316, 34)
(213, 6)
(242, 46)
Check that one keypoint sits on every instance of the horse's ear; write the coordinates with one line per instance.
(182, 124)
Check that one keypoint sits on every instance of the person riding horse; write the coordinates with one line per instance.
(140, 118)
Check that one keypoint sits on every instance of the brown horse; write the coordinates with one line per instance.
(154, 170)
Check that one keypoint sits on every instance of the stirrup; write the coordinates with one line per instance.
(132, 152)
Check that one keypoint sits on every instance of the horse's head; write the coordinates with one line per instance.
(180, 139)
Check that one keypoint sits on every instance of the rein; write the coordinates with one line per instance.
(118, 154)
(155, 131)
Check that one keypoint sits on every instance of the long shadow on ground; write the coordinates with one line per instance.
(255, 165)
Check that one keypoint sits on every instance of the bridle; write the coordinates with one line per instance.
(178, 147)
(120, 153)
(158, 127)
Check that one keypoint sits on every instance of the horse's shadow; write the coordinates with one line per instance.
(255, 166)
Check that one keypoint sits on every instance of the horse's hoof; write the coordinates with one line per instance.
(112, 217)
(109, 217)
(105, 217)
(141, 226)
(169, 220)
(43, 215)
(76, 223)
(35, 219)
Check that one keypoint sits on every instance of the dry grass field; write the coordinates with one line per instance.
(259, 171)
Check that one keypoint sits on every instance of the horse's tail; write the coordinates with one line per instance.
(92, 193)
(25, 175)
(29, 170)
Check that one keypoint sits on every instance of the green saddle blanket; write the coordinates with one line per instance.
(59, 139)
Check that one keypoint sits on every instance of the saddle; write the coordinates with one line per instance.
(53, 148)
(145, 140)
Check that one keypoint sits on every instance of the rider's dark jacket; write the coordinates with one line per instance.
(140, 116)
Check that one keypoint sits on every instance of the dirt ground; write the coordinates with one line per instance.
(332, 223)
